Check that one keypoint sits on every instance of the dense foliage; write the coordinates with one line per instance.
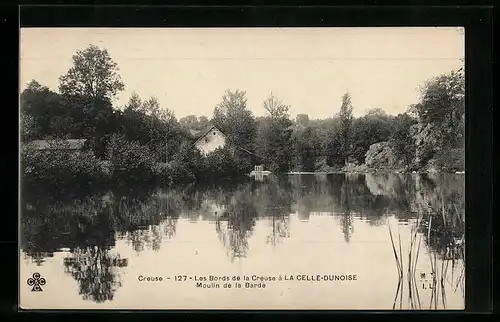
(144, 141)
(78, 168)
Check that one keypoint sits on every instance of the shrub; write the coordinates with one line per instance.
(189, 161)
(182, 173)
(450, 160)
(221, 164)
(59, 166)
(172, 172)
(425, 153)
(130, 160)
(243, 161)
(322, 166)
(380, 156)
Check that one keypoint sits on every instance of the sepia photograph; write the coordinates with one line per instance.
(242, 168)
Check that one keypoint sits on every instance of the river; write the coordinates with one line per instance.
(388, 241)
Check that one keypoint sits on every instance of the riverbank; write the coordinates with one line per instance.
(127, 163)
(83, 168)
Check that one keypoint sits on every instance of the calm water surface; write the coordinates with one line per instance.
(400, 235)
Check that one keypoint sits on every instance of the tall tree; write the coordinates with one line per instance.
(152, 107)
(441, 116)
(233, 118)
(346, 119)
(47, 112)
(88, 89)
(275, 107)
(149, 123)
(275, 142)
(333, 143)
(94, 74)
(131, 119)
(376, 126)
(442, 105)
(402, 140)
(134, 103)
(308, 148)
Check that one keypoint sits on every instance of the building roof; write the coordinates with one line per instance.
(72, 144)
(206, 131)
(209, 128)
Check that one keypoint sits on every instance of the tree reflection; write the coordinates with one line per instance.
(340, 194)
(345, 206)
(402, 195)
(37, 235)
(235, 225)
(96, 271)
(81, 222)
(89, 224)
(91, 264)
(145, 238)
(392, 193)
(443, 222)
(310, 195)
(438, 205)
(37, 257)
(50, 221)
(362, 202)
(275, 198)
(280, 229)
(140, 218)
(170, 226)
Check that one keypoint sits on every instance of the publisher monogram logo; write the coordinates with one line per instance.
(428, 280)
(37, 282)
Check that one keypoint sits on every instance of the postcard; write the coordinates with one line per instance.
(242, 168)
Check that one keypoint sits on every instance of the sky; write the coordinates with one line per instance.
(309, 69)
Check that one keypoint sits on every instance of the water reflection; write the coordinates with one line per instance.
(96, 271)
(87, 225)
(235, 223)
(438, 222)
(280, 229)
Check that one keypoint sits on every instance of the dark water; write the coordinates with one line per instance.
(400, 235)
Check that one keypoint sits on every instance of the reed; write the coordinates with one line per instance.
(398, 262)
(439, 265)
(413, 254)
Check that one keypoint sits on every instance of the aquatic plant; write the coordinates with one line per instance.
(431, 228)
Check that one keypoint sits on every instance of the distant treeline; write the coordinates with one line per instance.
(144, 140)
